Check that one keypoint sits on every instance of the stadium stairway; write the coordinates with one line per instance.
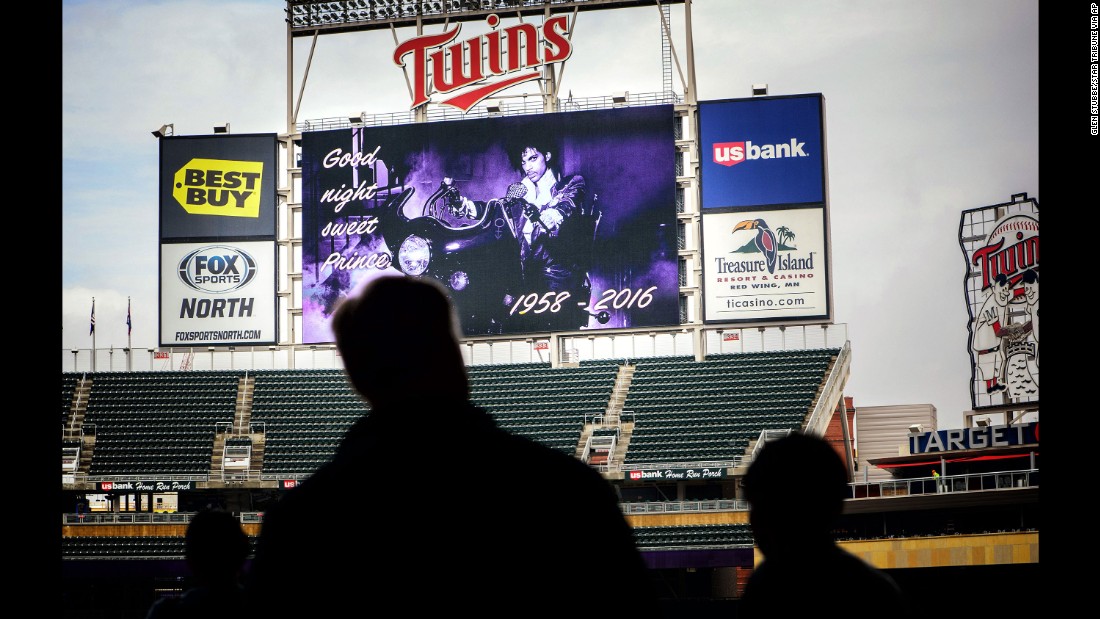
(240, 429)
(588, 449)
(73, 426)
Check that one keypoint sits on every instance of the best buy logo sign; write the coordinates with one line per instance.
(219, 187)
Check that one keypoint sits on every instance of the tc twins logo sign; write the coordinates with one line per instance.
(1011, 249)
(513, 54)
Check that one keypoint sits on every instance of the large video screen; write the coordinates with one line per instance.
(533, 224)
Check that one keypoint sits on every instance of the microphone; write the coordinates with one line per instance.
(515, 190)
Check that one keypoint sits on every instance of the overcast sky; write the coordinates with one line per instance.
(931, 109)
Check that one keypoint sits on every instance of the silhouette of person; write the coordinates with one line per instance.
(216, 548)
(428, 504)
(796, 488)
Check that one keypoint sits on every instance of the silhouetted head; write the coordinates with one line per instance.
(398, 339)
(796, 488)
(215, 546)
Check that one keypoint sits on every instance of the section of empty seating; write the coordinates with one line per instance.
(688, 410)
(158, 423)
(127, 547)
(545, 404)
(165, 423)
(305, 414)
(695, 535)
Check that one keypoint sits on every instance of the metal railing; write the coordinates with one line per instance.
(656, 466)
(969, 482)
(527, 105)
(830, 393)
(144, 518)
(685, 507)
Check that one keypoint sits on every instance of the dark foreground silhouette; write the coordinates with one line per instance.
(428, 508)
(216, 547)
(796, 488)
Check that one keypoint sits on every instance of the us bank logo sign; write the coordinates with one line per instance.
(213, 187)
(765, 265)
(676, 474)
(762, 151)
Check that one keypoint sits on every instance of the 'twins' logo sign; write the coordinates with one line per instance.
(733, 153)
(219, 187)
(514, 54)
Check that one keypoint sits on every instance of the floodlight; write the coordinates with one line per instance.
(759, 90)
(222, 129)
(619, 97)
(981, 423)
(916, 428)
(169, 129)
(493, 108)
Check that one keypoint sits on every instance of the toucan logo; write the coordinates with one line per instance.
(219, 187)
(733, 153)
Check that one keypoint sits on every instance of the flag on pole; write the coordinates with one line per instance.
(129, 325)
(91, 328)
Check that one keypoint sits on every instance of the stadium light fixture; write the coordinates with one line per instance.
(759, 90)
(222, 129)
(168, 129)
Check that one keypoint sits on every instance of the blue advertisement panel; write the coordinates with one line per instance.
(555, 222)
(218, 187)
(764, 151)
(978, 437)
